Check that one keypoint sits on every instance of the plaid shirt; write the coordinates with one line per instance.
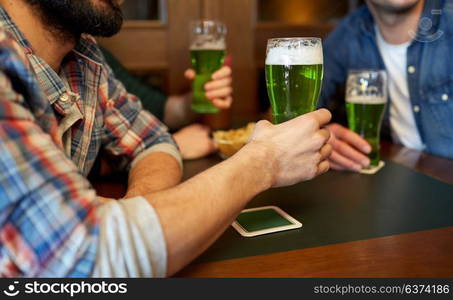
(52, 128)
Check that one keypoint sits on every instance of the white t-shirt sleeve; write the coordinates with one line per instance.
(131, 240)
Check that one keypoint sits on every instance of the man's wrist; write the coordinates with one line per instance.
(262, 158)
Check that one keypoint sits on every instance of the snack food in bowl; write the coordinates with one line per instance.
(231, 141)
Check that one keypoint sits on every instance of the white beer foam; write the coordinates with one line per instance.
(295, 56)
(211, 45)
(366, 100)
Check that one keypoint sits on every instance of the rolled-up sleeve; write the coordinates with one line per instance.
(131, 240)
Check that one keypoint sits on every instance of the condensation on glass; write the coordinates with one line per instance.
(153, 10)
(302, 12)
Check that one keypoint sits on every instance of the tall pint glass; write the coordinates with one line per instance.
(366, 99)
(207, 53)
(294, 72)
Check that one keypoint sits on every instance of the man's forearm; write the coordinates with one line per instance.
(196, 212)
(155, 172)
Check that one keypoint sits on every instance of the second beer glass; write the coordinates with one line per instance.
(207, 52)
(294, 71)
(366, 97)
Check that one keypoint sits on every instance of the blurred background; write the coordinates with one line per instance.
(154, 41)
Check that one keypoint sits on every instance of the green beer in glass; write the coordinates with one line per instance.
(366, 99)
(207, 53)
(294, 72)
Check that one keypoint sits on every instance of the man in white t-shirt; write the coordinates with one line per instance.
(411, 40)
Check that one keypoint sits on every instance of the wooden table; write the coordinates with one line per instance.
(426, 253)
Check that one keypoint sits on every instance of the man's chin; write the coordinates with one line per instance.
(394, 8)
(105, 33)
(101, 18)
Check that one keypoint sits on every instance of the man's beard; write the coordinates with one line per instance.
(75, 17)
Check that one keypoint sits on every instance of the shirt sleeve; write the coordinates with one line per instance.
(52, 223)
(129, 129)
(131, 240)
(47, 209)
(335, 73)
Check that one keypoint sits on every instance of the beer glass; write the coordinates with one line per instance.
(294, 71)
(207, 52)
(366, 98)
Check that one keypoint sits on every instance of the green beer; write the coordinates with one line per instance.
(205, 62)
(207, 52)
(365, 119)
(366, 98)
(293, 89)
(294, 71)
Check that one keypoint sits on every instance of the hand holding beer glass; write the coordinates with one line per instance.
(207, 52)
(294, 72)
(366, 98)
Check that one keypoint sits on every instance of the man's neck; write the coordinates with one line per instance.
(396, 28)
(50, 45)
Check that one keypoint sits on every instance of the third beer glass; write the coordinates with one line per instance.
(366, 97)
(207, 51)
(294, 71)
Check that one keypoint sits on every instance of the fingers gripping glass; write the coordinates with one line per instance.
(294, 72)
(366, 99)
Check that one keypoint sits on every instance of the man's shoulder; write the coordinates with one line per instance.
(10, 48)
(447, 15)
(13, 63)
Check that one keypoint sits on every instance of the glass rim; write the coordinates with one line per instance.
(207, 22)
(295, 39)
(204, 24)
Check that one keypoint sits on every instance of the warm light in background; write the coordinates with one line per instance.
(301, 11)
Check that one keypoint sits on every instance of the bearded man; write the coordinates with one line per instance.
(61, 108)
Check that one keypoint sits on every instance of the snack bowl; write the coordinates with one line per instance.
(231, 141)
